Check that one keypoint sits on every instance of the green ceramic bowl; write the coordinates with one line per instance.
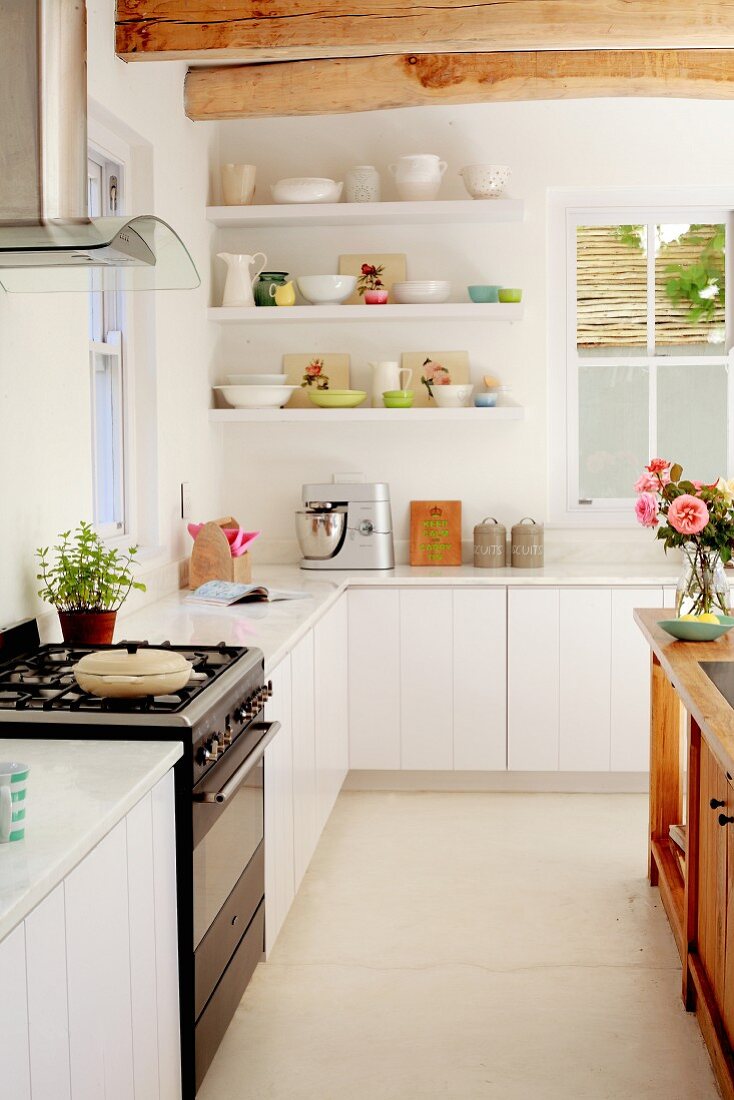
(398, 399)
(484, 293)
(687, 630)
(510, 294)
(337, 399)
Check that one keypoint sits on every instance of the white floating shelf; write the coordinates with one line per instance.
(303, 416)
(284, 315)
(295, 215)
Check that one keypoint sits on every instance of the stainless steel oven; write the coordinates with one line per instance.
(228, 886)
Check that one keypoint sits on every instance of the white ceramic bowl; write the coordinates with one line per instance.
(306, 189)
(257, 379)
(256, 397)
(326, 290)
(421, 292)
(485, 181)
(453, 397)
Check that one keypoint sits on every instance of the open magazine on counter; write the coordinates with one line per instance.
(224, 593)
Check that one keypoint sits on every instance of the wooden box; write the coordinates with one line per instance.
(435, 532)
(211, 558)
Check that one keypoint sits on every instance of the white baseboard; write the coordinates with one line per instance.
(547, 782)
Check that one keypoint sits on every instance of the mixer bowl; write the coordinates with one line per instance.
(320, 534)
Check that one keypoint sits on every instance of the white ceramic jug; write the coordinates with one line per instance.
(240, 281)
(418, 177)
(388, 376)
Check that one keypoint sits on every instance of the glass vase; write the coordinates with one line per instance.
(702, 586)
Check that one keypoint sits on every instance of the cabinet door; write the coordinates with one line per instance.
(48, 1016)
(143, 986)
(331, 678)
(98, 967)
(630, 713)
(480, 678)
(712, 869)
(166, 937)
(585, 641)
(279, 874)
(305, 833)
(374, 674)
(426, 670)
(532, 679)
(15, 1079)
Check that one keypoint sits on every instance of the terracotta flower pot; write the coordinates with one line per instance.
(87, 627)
(375, 297)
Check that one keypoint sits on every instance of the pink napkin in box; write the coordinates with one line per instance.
(238, 540)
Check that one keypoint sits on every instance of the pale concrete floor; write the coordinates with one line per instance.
(462, 946)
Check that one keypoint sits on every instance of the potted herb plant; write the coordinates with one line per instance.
(87, 583)
(370, 285)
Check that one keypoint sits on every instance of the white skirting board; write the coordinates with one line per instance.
(517, 782)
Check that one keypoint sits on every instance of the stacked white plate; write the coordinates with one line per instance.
(421, 292)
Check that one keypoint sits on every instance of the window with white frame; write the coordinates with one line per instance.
(647, 337)
(106, 362)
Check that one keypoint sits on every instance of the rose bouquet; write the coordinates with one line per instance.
(697, 518)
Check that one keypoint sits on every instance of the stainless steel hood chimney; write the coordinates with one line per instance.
(47, 240)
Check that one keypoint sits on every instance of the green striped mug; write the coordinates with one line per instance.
(13, 782)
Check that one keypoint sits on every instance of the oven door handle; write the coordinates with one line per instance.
(237, 778)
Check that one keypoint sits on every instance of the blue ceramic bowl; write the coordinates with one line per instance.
(485, 400)
(484, 293)
(687, 630)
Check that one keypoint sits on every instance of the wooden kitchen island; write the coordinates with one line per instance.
(692, 781)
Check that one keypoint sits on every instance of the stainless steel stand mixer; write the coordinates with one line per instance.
(346, 526)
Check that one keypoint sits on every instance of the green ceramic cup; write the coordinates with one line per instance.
(13, 780)
(398, 399)
(266, 285)
(484, 293)
(510, 294)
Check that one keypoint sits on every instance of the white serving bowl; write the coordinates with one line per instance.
(485, 181)
(326, 290)
(306, 189)
(421, 292)
(453, 397)
(257, 379)
(256, 397)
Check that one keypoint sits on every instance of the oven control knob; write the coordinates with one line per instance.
(227, 736)
(240, 713)
(215, 749)
(270, 689)
(203, 756)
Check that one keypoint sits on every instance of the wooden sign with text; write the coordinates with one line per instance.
(435, 532)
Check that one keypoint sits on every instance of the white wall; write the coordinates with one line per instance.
(500, 470)
(45, 459)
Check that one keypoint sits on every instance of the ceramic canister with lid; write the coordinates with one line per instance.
(527, 544)
(490, 543)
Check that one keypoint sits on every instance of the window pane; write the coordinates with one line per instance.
(613, 429)
(689, 289)
(692, 415)
(611, 289)
(106, 404)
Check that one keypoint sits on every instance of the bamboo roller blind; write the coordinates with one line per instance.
(611, 292)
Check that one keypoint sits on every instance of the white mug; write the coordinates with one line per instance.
(238, 184)
(13, 784)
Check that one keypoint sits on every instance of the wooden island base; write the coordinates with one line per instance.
(691, 781)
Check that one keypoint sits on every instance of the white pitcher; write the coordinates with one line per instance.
(239, 284)
(388, 376)
(418, 177)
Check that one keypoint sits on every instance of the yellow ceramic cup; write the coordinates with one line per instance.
(285, 295)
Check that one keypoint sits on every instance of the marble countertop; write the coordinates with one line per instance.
(77, 792)
(276, 628)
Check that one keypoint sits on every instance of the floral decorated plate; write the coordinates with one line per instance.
(691, 630)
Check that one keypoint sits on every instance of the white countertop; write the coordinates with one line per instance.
(275, 628)
(77, 792)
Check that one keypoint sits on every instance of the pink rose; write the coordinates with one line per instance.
(646, 510)
(658, 465)
(441, 377)
(646, 483)
(688, 514)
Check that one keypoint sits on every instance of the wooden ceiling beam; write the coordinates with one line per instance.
(251, 30)
(373, 83)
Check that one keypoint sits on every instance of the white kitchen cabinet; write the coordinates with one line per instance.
(279, 868)
(98, 969)
(331, 680)
(48, 1016)
(166, 937)
(305, 829)
(143, 985)
(585, 670)
(630, 708)
(426, 670)
(15, 1077)
(374, 674)
(480, 675)
(533, 689)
